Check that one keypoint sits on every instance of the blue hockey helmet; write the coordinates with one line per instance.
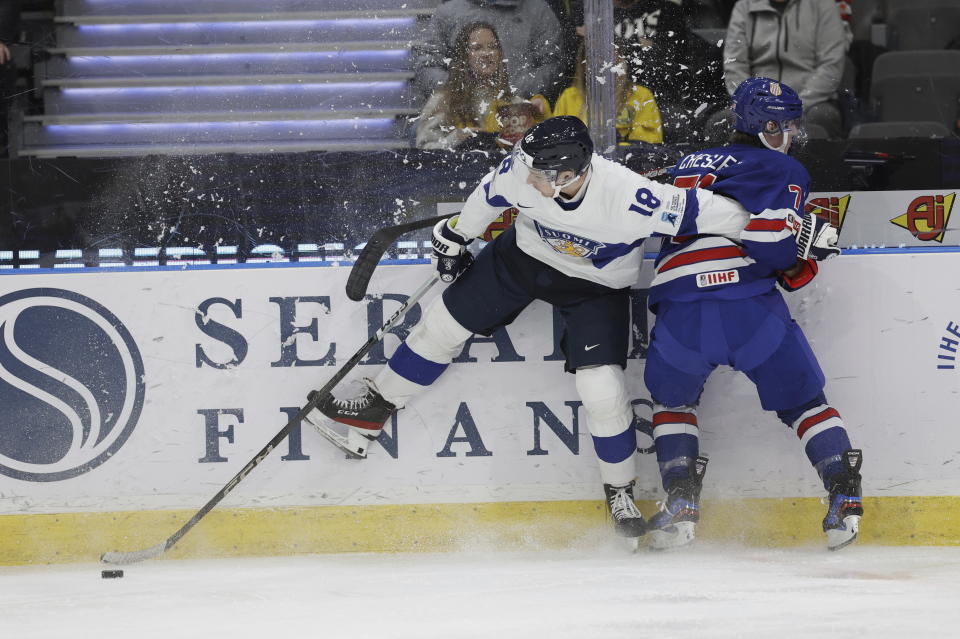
(760, 100)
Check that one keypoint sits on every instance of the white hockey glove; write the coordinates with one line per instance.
(817, 239)
(450, 250)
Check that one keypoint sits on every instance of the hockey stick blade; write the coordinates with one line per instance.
(134, 556)
(369, 257)
(137, 556)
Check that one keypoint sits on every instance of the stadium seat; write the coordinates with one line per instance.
(816, 132)
(910, 86)
(880, 130)
(865, 14)
(922, 24)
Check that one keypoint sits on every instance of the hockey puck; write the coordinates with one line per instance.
(111, 574)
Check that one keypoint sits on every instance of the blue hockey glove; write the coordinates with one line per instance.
(450, 250)
(817, 239)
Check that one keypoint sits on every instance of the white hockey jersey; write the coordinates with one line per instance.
(599, 235)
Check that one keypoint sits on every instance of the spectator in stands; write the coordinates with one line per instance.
(638, 118)
(468, 111)
(9, 33)
(681, 69)
(529, 30)
(798, 42)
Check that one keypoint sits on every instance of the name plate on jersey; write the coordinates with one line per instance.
(718, 277)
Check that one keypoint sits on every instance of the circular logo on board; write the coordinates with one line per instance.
(71, 384)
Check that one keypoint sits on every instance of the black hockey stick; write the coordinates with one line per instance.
(370, 256)
(135, 556)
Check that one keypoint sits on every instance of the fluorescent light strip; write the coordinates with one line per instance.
(328, 87)
(258, 25)
(246, 57)
(351, 124)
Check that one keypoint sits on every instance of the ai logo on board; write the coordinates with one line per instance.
(927, 216)
(71, 384)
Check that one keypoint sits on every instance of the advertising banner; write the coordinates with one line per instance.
(890, 218)
(146, 390)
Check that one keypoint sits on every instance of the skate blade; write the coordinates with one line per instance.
(837, 538)
(678, 535)
(351, 442)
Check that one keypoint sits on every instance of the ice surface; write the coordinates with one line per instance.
(709, 592)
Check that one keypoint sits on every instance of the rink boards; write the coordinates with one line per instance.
(132, 396)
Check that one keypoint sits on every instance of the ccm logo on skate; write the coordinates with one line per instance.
(71, 384)
(718, 277)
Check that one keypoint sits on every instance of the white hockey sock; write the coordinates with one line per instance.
(429, 348)
(610, 421)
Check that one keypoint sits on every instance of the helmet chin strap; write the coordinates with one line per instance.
(783, 145)
(558, 187)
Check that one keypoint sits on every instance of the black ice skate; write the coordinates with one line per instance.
(362, 418)
(627, 518)
(845, 507)
(675, 525)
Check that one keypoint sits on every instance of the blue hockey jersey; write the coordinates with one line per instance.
(772, 187)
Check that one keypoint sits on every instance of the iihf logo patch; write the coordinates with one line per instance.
(569, 243)
(71, 384)
(775, 89)
(715, 278)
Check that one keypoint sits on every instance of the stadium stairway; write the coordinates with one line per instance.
(179, 77)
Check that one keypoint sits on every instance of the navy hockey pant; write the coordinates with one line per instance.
(756, 336)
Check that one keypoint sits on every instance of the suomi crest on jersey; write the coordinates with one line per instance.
(569, 243)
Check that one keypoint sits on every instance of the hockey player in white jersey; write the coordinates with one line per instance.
(576, 244)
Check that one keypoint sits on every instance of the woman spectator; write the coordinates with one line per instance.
(638, 118)
(463, 113)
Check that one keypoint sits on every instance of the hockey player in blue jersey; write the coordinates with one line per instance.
(717, 303)
(576, 244)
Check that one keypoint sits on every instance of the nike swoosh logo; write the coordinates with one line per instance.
(590, 348)
(524, 206)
